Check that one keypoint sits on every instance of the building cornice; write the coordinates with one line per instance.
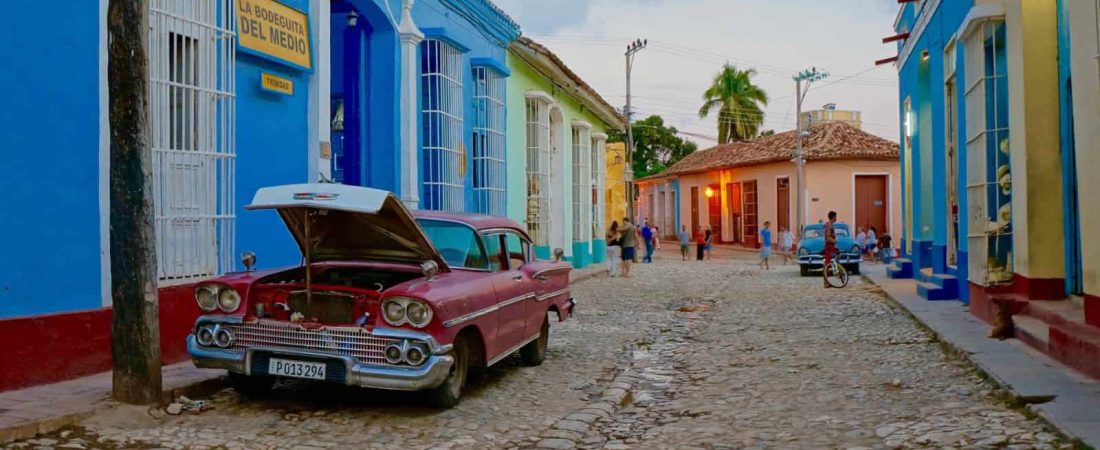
(489, 20)
(924, 15)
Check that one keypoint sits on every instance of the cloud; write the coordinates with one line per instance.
(546, 17)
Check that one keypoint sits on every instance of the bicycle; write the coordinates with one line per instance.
(835, 274)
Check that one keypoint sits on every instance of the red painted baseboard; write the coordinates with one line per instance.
(1092, 310)
(56, 347)
(1039, 288)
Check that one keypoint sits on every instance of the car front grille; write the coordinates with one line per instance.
(337, 341)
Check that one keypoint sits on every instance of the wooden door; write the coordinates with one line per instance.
(733, 193)
(748, 189)
(783, 204)
(871, 203)
(694, 209)
(714, 210)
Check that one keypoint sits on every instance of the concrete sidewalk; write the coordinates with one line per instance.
(1029, 374)
(27, 412)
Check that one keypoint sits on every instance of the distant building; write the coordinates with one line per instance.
(829, 113)
(615, 186)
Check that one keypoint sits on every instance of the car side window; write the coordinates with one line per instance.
(493, 251)
(518, 250)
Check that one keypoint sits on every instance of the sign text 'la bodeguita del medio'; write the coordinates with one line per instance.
(272, 29)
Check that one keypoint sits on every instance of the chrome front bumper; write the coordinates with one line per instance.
(343, 369)
(817, 261)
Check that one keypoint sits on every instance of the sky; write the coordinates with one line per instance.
(690, 40)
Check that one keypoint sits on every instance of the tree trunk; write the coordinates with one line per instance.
(135, 333)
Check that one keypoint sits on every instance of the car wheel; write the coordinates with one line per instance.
(804, 270)
(448, 394)
(534, 353)
(251, 386)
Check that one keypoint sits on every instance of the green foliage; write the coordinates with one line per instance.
(738, 102)
(656, 146)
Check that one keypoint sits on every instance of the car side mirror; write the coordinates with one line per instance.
(558, 254)
(248, 260)
(429, 269)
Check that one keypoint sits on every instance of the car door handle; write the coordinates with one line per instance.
(517, 277)
(541, 278)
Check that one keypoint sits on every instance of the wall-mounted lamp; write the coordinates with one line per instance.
(924, 56)
(353, 19)
(709, 192)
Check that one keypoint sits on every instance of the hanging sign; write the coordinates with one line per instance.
(276, 84)
(271, 29)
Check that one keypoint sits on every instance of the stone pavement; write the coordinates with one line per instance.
(1031, 376)
(684, 355)
(43, 409)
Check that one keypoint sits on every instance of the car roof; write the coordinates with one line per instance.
(477, 221)
(821, 225)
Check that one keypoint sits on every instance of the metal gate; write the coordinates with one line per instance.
(192, 123)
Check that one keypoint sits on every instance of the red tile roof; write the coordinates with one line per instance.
(827, 141)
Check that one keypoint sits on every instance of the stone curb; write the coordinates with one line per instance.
(966, 356)
(32, 428)
(565, 433)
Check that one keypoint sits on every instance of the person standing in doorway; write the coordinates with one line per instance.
(765, 244)
(647, 237)
(685, 242)
(830, 245)
(700, 244)
(628, 238)
(613, 249)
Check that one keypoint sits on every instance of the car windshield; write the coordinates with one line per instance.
(812, 233)
(457, 243)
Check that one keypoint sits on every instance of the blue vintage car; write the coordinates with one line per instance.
(812, 246)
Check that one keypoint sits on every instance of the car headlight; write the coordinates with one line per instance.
(228, 299)
(803, 252)
(400, 310)
(207, 297)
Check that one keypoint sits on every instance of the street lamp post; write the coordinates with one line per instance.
(628, 170)
(800, 90)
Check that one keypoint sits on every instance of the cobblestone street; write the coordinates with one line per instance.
(717, 354)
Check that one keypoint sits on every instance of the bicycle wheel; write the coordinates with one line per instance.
(836, 275)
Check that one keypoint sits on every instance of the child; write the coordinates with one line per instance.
(765, 245)
(685, 242)
(786, 245)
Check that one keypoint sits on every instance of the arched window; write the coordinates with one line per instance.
(444, 162)
(582, 182)
(538, 168)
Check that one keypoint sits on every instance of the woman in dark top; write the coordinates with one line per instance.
(613, 249)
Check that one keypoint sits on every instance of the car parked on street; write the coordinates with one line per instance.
(811, 249)
(385, 298)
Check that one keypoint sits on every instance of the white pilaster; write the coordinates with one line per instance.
(319, 93)
(410, 138)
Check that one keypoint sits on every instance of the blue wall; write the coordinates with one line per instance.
(49, 149)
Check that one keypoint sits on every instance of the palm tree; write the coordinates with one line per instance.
(738, 102)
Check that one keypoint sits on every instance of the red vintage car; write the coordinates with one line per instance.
(384, 298)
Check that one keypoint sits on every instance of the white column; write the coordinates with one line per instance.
(320, 168)
(410, 138)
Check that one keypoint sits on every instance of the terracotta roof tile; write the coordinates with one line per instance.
(827, 141)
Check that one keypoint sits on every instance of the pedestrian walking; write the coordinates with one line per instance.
(656, 238)
(685, 242)
(628, 236)
(872, 245)
(614, 250)
(830, 251)
(765, 245)
(700, 244)
(786, 245)
(710, 241)
(647, 238)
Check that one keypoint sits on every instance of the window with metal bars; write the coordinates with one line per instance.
(192, 123)
(599, 178)
(582, 184)
(988, 174)
(538, 171)
(488, 142)
(443, 159)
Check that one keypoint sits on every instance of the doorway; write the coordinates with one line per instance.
(350, 47)
(694, 209)
(714, 210)
(870, 202)
(733, 196)
(952, 172)
(783, 204)
(558, 190)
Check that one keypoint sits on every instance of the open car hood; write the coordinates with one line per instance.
(348, 223)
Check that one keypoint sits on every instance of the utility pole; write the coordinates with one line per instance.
(135, 332)
(628, 171)
(807, 76)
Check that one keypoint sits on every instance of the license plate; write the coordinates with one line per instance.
(296, 369)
